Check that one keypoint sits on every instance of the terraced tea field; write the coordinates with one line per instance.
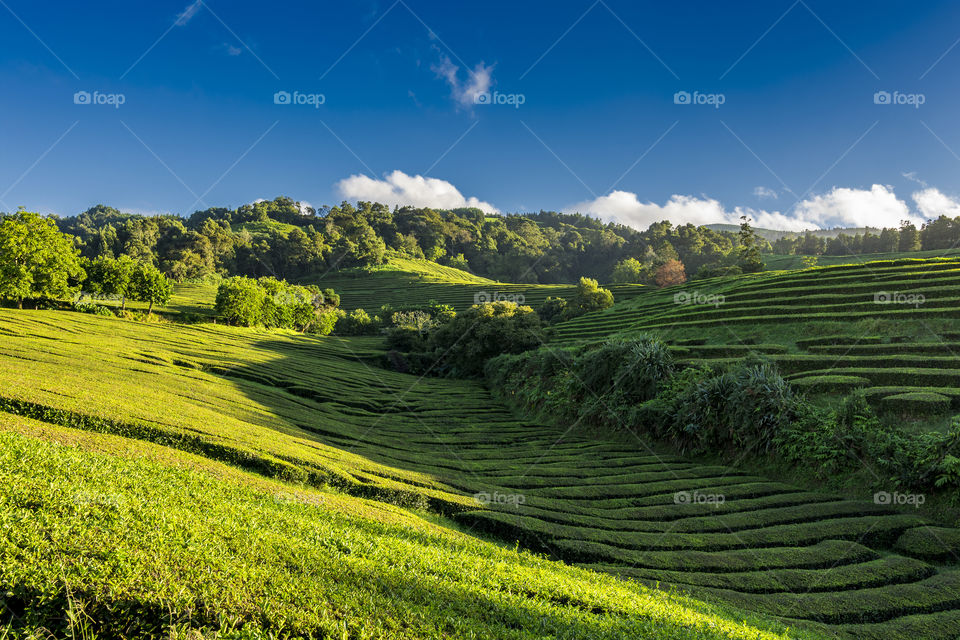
(889, 327)
(407, 281)
(319, 412)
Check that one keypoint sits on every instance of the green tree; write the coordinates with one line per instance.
(590, 296)
(240, 301)
(148, 284)
(750, 259)
(629, 271)
(462, 345)
(111, 277)
(36, 260)
(909, 237)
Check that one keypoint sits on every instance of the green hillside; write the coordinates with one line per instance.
(409, 281)
(889, 327)
(781, 262)
(318, 419)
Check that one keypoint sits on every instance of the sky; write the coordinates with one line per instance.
(800, 114)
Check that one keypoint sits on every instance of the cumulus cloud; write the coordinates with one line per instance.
(464, 93)
(398, 188)
(844, 207)
(839, 207)
(764, 192)
(187, 15)
(932, 203)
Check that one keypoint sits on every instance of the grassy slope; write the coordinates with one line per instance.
(197, 545)
(318, 413)
(814, 323)
(781, 262)
(407, 281)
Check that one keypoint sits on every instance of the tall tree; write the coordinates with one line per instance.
(36, 260)
(149, 285)
(750, 260)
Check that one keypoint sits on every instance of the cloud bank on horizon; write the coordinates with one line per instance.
(877, 206)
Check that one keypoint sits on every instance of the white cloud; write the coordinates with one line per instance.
(844, 207)
(232, 50)
(304, 206)
(188, 13)
(464, 93)
(764, 192)
(839, 207)
(398, 188)
(932, 203)
(912, 177)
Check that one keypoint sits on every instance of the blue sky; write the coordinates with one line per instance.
(582, 111)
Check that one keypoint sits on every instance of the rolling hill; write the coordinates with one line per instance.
(115, 430)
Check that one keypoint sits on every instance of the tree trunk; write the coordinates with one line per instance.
(123, 303)
(19, 303)
(150, 308)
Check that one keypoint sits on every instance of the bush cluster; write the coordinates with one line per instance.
(273, 303)
(744, 407)
(635, 385)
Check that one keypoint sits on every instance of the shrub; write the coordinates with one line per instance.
(358, 323)
(462, 345)
(915, 403)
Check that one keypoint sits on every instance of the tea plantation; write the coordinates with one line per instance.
(888, 327)
(147, 461)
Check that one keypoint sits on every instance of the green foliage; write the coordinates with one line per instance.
(748, 259)
(111, 277)
(275, 303)
(590, 296)
(148, 284)
(629, 271)
(36, 260)
(358, 323)
(462, 345)
(240, 301)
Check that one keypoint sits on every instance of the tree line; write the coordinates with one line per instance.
(287, 240)
(40, 263)
(935, 235)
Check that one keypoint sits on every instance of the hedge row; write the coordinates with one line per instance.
(823, 555)
(881, 530)
(888, 570)
(937, 593)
